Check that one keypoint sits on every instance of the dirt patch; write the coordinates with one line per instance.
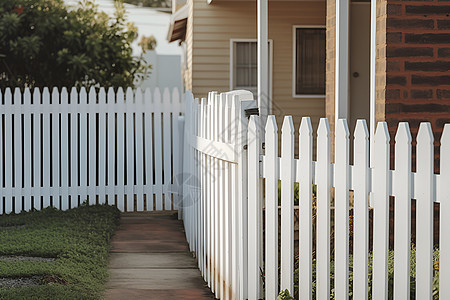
(32, 258)
(8, 282)
(12, 227)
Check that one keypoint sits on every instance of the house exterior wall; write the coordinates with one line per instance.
(213, 25)
(418, 62)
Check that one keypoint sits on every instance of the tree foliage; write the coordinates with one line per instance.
(147, 43)
(43, 43)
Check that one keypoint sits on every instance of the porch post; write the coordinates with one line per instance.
(263, 60)
(342, 60)
(373, 59)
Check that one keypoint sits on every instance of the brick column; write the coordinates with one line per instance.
(418, 64)
(330, 66)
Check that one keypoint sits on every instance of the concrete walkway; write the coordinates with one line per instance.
(150, 259)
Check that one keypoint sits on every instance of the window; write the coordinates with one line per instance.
(244, 65)
(309, 61)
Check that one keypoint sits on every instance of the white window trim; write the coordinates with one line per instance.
(294, 71)
(232, 41)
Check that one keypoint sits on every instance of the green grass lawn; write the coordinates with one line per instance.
(79, 239)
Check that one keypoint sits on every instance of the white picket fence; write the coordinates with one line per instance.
(224, 215)
(62, 148)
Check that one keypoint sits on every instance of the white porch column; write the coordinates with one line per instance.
(373, 60)
(342, 60)
(263, 61)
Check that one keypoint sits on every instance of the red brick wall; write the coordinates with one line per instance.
(418, 64)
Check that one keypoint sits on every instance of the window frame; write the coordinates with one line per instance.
(232, 65)
(294, 61)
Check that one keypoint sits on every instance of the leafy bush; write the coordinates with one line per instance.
(370, 270)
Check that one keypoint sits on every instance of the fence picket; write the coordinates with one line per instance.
(148, 129)
(74, 146)
(287, 204)
(111, 150)
(120, 140)
(27, 150)
(381, 212)
(361, 211)
(444, 242)
(55, 144)
(271, 261)
(17, 152)
(424, 210)
(129, 146)
(92, 146)
(323, 210)
(167, 151)
(402, 217)
(46, 147)
(102, 136)
(254, 204)
(342, 185)
(64, 146)
(83, 136)
(36, 136)
(305, 208)
(8, 152)
(158, 148)
(139, 148)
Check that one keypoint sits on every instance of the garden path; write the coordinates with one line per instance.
(150, 259)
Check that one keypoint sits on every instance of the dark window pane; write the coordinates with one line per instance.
(310, 61)
(246, 65)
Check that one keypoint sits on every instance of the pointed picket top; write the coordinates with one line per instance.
(361, 130)
(305, 129)
(445, 141)
(288, 126)
(120, 96)
(342, 129)
(129, 96)
(64, 96)
(253, 130)
(46, 96)
(157, 97)
(111, 96)
(324, 128)
(425, 135)
(83, 95)
(36, 96)
(271, 125)
(176, 95)
(382, 133)
(102, 96)
(92, 95)
(139, 99)
(26, 96)
(55, 96)
(17, 96)
(148, 96)
(8, 96)
(167, 100)
(73, 96)
(403, 134)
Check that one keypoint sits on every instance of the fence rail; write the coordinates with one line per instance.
(61, 148)
(257, 248)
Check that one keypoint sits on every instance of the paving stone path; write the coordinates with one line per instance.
(150, 259)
